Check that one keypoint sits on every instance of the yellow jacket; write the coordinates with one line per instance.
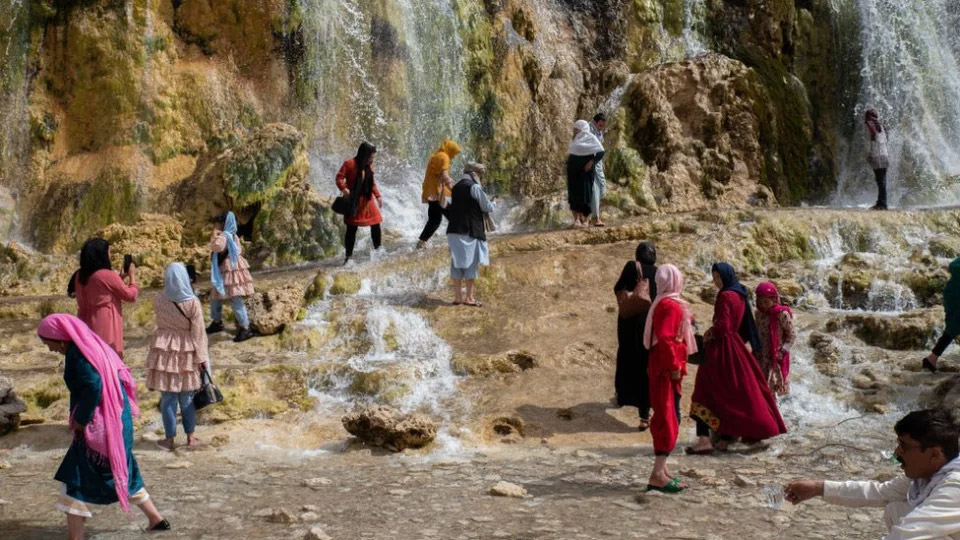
(434, 188)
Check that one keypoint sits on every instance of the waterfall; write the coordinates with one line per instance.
(906, 56)
(393, 74)
(14, 81)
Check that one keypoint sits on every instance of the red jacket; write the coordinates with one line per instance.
(368, 213)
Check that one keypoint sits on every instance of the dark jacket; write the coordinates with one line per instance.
(464, 214)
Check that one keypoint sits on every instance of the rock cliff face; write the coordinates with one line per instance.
(134, 105)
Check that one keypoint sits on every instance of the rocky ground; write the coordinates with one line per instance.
(520, 390)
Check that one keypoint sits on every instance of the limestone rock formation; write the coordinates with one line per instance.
(263, 181)
(507, 362)
(10, 407)
(910, 331)
(701, 129)
(273, 309)
(384, 426)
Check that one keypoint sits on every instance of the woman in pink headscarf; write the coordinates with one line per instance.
(775, 325)
(99, 467)
(668, 333)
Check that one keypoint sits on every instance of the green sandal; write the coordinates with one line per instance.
(673, 486)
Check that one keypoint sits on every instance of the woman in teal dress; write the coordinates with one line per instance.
(101, 417)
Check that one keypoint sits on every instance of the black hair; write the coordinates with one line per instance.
(646, 253)
(932, 427)
(599, 117)
(94, 255)
(364, 183)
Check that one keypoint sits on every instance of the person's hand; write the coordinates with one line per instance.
(675, 375)
(203, 366)
(380, 202)
(78, 427)
(589, 165)
(708, 335)
(345, 192)
(797, 492)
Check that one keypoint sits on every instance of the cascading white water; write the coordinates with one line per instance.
(14, 83)
(909, 70)
(393, 76)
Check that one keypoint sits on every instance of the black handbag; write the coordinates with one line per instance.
(208, 394)
(341, 205)
(700, 357)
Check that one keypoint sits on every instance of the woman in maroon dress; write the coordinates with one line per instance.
(355, 181)
(731, 396)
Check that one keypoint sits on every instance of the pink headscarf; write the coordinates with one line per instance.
(104, 434)
(670, 285)
(768, 290)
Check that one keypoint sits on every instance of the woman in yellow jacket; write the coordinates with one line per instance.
(437, 185)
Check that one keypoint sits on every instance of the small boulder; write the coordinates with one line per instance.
(11, 407)
(272, 310)
(281, 515)
(316, 533)
(389, 428)
(508, 489)
(346, 283)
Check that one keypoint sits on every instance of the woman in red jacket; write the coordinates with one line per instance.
(668, 333)
(355, 180)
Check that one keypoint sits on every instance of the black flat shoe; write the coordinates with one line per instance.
(161, 526)
(928, 365)
(243, 335)
(215, 326)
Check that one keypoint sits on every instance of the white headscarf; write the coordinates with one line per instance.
(584, 143)
(176, 283)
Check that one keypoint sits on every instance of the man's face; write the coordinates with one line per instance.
(601, 125)
(917, 462)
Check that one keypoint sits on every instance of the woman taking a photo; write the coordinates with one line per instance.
(100, 292)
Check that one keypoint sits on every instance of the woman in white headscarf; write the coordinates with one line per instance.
(584, 153)
(178, 353)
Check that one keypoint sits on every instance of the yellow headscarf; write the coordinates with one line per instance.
(433, 188)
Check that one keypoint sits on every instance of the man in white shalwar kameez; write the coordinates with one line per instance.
(923, 504)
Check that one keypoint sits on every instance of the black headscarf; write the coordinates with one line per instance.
(646, 255)
(363, 186)
(94, 255)
(748, 327)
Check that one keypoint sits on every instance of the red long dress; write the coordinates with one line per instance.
(367, 212)
(731, 394)
(99, 305)
(666, 356)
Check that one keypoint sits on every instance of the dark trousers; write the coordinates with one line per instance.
(351, 238)
(880, 175)
(942, 343)
(434, 217)
(703, 430)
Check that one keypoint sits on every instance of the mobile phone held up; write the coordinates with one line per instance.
(127, 261)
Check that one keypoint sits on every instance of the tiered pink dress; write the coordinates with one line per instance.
(237, 281)
(178, 346)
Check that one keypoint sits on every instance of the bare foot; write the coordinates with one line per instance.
(194, 441)
(658, 480)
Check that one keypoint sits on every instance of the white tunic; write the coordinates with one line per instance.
(937, 517)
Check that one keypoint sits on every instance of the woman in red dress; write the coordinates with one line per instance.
(100, 291)
(731, 396)
(355, 180)
(668, 333)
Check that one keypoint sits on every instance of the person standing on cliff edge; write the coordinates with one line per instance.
(437, 188)
(598, 127)
(879, 156)
(584, 152)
